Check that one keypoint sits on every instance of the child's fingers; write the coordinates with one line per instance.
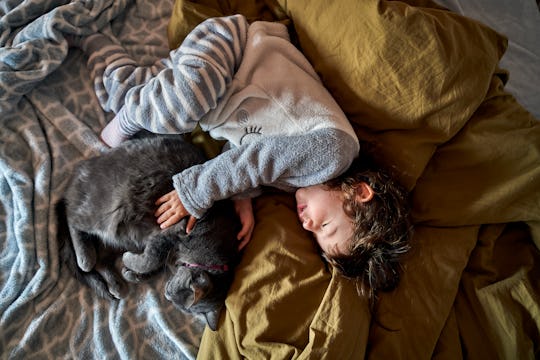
(164, 198)
(244, 241)
(161, 209)
(165, 220)
(170, 211)
(190, 224)
(165, 203)
(171, 214)
(162, 218)
(243, 232)
(245, 236)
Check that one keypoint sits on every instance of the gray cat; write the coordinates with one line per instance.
(108, 209)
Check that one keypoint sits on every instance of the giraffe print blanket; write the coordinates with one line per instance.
(49, 120)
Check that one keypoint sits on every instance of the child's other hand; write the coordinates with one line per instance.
(244, 209)
(171, 210)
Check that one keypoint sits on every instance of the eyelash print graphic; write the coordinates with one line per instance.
(256, 130)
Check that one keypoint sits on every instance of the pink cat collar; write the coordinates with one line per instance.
(207, 267)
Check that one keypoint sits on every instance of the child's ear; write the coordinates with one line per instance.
(364, 192)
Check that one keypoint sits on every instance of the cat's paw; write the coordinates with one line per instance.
(85, 254)
(132, 276)
(118, 291)
(131, 260)
(141, 263)
(86, 263)
(110, 281)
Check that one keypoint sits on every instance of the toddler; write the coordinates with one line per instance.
(247, 84)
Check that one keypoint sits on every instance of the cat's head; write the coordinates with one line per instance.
(199, 290)
(204, 263)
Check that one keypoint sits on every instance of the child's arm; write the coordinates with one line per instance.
(285, 162)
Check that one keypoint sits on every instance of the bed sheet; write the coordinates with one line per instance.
(49, 120)
(423, 85)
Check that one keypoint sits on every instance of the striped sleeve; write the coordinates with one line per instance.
(197, 75)
(113, 71)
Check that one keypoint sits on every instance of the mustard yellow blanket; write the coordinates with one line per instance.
(423, 85)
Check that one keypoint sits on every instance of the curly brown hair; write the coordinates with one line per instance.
(382, 229)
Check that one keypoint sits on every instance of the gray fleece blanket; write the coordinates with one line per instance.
(49, 120)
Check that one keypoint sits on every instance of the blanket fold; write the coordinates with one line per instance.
(33, 40)
(50, 119)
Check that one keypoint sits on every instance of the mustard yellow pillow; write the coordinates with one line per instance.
(188, 14)
(407, 77)
(284, 302)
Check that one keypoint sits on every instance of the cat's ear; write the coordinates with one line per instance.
(200, 285)
(212, 318)
(198, 294)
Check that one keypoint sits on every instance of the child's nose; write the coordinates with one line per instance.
(308, 224)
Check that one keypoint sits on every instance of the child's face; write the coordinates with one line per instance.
(321, 211)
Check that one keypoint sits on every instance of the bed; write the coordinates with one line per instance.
(448, 102)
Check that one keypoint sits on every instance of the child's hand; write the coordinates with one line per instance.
(244, 209)
(171, 210)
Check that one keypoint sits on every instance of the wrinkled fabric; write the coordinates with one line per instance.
(424, 86)
(49, 120)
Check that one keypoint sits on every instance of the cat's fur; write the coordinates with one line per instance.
(109, 207)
